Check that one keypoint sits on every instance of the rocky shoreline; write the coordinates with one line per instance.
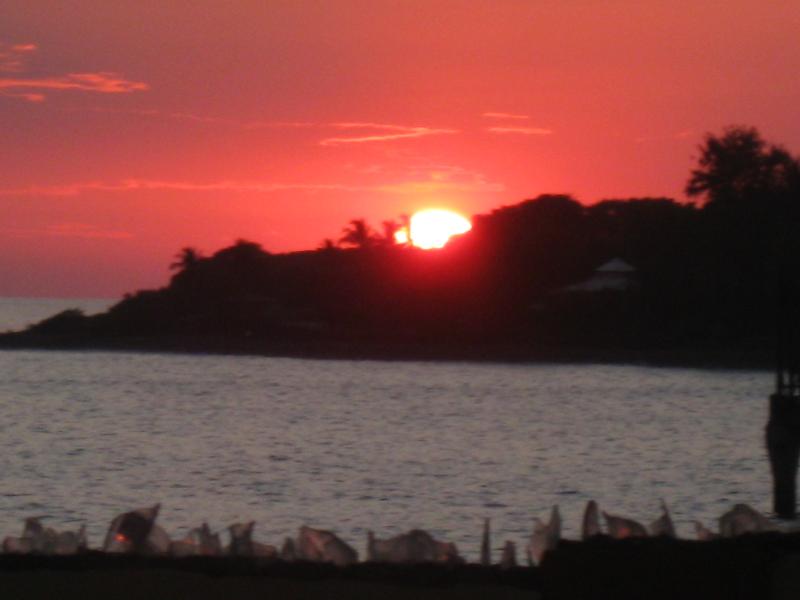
(747, 558)
(96, 575)
(758, 566)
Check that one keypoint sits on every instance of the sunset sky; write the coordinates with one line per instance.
(131, 129)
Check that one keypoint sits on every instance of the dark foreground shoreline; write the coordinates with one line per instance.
(762, 566)
(752, 356)
(95, 575)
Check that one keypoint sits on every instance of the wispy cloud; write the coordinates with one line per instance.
(130, 185)
(504, 115)
(85, 230)
(520, 130)
(680, 135)
(69, 229)
(32, 88)
(153, 112)
(12, 57)
(30, 97)
(433, 186)
(383, 132)
(433, 180)
(197, 118)
(279, 124)
(420, 175)
(102, 82)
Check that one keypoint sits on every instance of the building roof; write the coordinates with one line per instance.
(615, 265)
(615, 275)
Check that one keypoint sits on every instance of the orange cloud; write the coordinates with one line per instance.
(103, 82)
(11, 56)
(432, 186)
(29, 97)
(390, 132)
(85, 230)
(287, 124)
(433, 181)
(11, 61)
(153, 112)
(183, 116)
(520, 130)
(75, 230)
(129, 185)
(9, 64)
(681, 135)
(502, 115)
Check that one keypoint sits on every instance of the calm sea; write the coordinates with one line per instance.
(358, 445)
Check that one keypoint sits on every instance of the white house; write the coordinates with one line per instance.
(613, 276)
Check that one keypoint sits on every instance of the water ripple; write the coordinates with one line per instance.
(357, 445)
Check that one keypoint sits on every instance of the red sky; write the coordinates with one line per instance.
(131, 129)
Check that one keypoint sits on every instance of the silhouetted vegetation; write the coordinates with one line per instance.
(704, 278)
(740, 169)
(358, 235)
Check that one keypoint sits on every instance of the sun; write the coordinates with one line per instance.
(432, 228)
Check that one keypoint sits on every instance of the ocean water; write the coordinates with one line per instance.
(18, 313)
(358, 445)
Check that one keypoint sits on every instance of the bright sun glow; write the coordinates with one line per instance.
(432, 228)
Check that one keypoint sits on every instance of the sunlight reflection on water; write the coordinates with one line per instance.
(357, 445)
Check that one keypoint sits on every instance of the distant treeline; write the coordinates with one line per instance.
(706, 275)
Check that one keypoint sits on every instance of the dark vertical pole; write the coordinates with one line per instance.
(783, 445)
(783, 427)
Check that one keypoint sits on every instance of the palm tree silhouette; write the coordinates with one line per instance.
(390, 228)
(358, 234)
(186, 259)
(328, 245)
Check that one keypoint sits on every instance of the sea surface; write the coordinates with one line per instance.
(358, 445)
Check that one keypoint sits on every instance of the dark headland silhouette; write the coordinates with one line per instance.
(548, 278)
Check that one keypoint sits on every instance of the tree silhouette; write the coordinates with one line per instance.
(739, 167)
(186, 259)
(358, 234)
(707, 275)
(390, 228)
(328, 245)
(243, 252)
